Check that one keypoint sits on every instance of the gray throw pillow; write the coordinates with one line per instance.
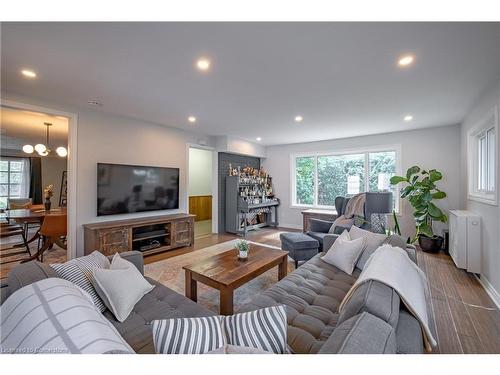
(373, 242)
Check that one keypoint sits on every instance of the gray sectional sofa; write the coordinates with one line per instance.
(160, 303)
(374, 321)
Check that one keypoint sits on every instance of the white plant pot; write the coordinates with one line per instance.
(243, 254)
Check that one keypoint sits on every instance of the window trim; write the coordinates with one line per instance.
(486, 123)
(346, 151)
(9, 160)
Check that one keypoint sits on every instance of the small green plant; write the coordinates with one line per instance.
(242, 245)
(421, 190)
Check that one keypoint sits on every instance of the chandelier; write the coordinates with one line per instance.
(43, 149)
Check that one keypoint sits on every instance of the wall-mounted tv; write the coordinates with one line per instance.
(123, 189)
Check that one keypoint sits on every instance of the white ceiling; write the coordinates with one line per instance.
(25, 127)
(342, 77)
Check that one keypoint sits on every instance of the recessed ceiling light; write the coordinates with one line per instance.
(203, 64)
(192, 119)
(408, 118)
(258, 139)
(28, 73)
(299, 118)
(95, 103)
(406, 60)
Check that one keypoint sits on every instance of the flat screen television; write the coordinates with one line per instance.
(123, 189)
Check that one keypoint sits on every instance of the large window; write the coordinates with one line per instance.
(483, 160)
(319, 179)
(14, 179)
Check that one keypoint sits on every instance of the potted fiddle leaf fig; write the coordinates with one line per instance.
(421, 191)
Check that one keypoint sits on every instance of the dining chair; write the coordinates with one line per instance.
(19, 203)
(10, 230)
(53, 228)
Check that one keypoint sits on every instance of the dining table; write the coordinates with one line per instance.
(34, 214)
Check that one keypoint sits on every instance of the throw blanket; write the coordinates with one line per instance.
(392, 266)
(355, 207)
(55, 316)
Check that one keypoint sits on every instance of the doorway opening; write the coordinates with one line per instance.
(200, 190)
(33, 186)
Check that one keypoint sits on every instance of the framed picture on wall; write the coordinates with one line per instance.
(63, 196)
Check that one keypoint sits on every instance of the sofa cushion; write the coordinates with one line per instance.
(80, 272)
(188, 335)
(312, 296)
(27, 273)
(361, 334)
(56, 316)
(317, 236)
(120, 287)
(345, 252)
(375, 298)
(373, 241)
(409, 334)
(160, 303)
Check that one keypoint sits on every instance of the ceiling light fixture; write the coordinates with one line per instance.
(406, 60)
(203, 64)
(299, 118)
(408, 118)
(258, 139)
(28, 73)
(192, 119)
(44, 150)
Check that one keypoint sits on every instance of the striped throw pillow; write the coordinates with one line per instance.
(187, 335)
(80, 272)
(263, 329)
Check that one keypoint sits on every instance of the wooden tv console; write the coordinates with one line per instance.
(147, 234)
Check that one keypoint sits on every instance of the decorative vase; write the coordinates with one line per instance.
(47, 204)
(242, 255)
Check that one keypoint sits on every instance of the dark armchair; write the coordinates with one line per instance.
(375, 203)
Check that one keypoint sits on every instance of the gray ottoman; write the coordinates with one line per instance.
(299, 246)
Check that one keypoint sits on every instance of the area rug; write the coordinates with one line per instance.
(169, 272)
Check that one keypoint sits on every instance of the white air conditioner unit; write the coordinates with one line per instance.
(465, 240)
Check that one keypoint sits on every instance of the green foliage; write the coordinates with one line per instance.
(242, 245)
(420, 191)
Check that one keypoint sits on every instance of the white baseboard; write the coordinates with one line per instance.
(291, 226)
(494, 295)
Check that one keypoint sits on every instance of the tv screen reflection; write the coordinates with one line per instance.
(127, 189)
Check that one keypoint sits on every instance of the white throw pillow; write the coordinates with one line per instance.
(121, 286)
(372, 242)
(345, 252)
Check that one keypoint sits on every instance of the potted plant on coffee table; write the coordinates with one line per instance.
(242, 246)
(420, 189)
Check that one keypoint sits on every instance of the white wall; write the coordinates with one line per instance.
(200, 172)
(113, 139)
(490, 215)
(52, 169)
(429, 148)
(239, 146)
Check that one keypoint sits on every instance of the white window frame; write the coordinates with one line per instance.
(9, 160)
(365, 150)
(474, 193)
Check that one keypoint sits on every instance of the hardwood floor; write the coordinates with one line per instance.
(466, 319)
(461, 326)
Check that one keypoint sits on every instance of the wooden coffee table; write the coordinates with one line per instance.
(225, 272)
